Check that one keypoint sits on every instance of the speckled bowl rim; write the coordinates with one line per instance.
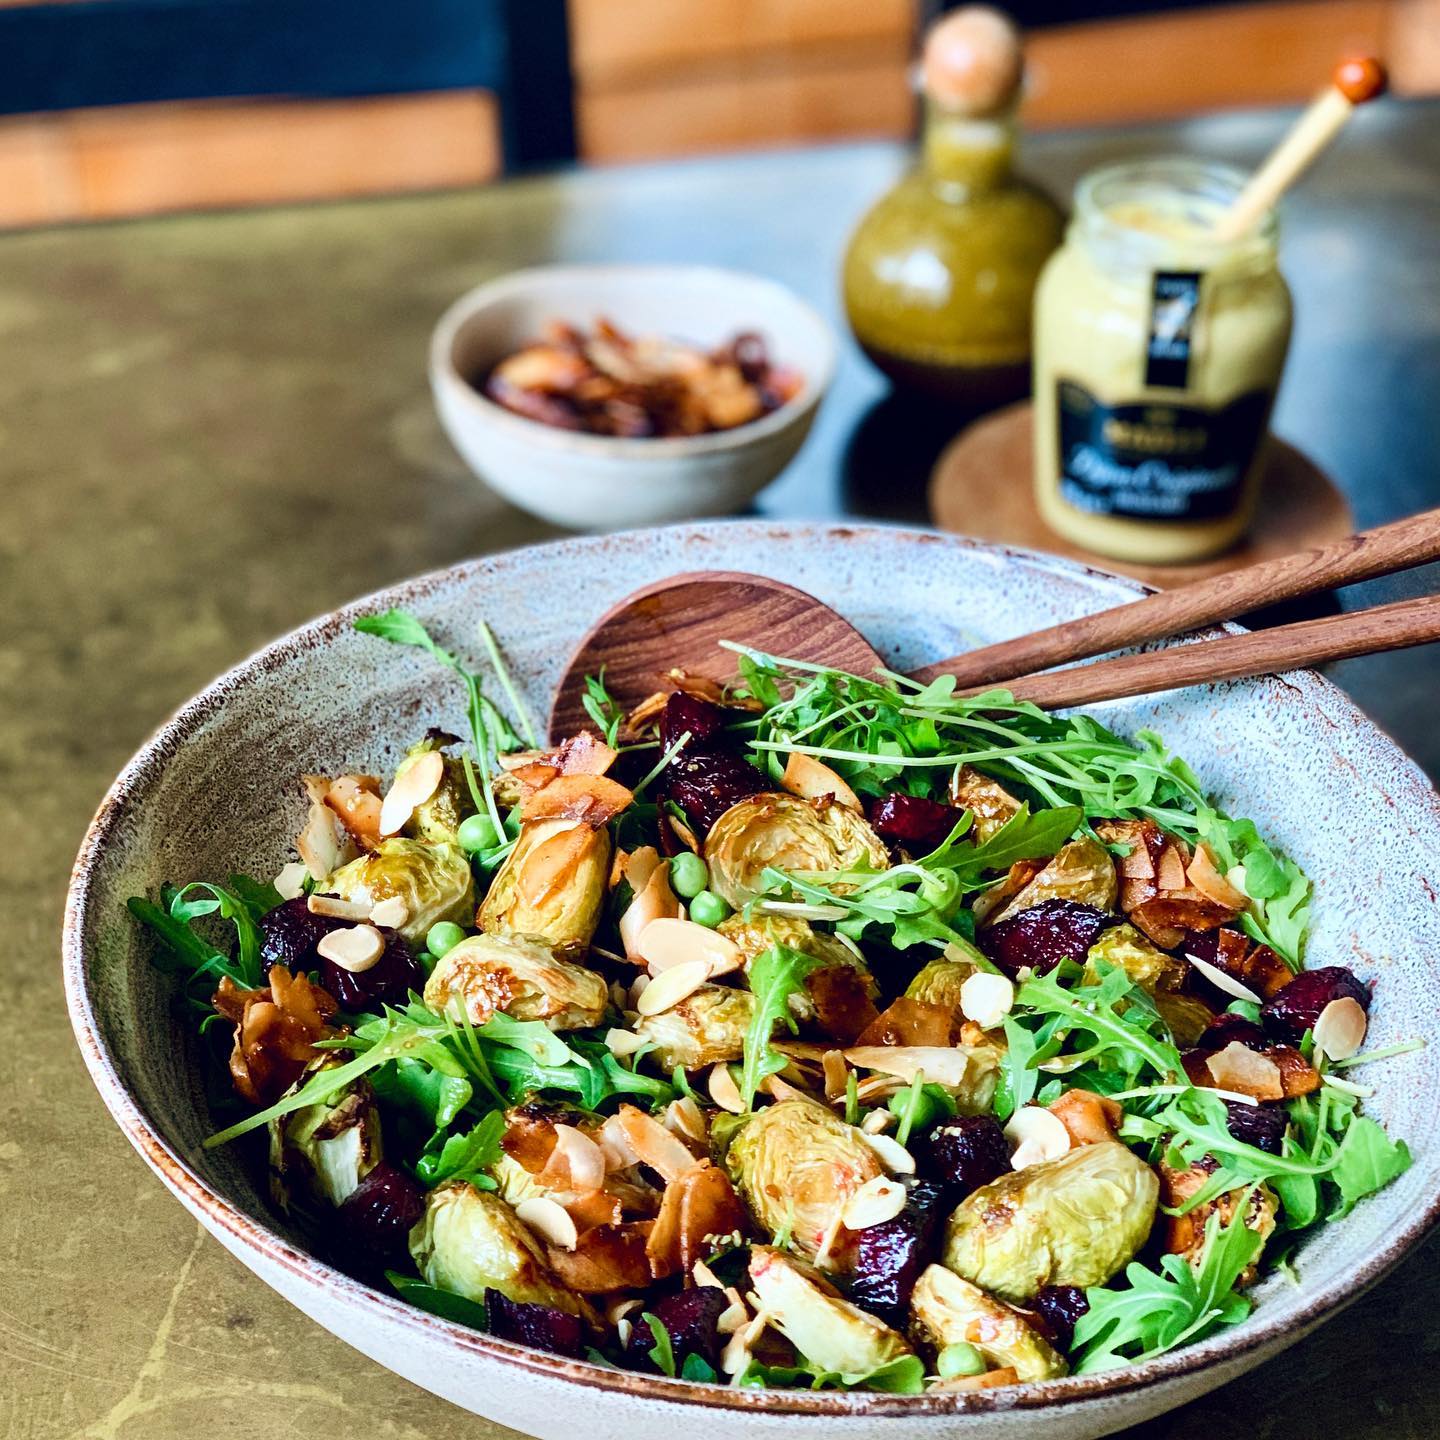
(631, 449)
(1258, 1333)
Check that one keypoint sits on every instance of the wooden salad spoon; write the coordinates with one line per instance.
(679, 623)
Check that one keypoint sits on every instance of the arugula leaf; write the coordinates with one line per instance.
(697, 1367)
(905, 1375)
(465, 1157)
(1366, 1161)
(775, 975)
(607, 712)
(662, 1352)
(444, 1303)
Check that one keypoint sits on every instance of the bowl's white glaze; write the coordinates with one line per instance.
(213, 792)
(598, 482)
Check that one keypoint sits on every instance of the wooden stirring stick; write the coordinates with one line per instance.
(1354, 82)
(1400, 545)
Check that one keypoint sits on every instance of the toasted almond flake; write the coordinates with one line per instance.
(723, 1089)
(617, 1310)
(1037, 1136)
(672, 986)
(356, 949)
(830, 1237)
(412, 787)
(653, 1144)
(619, 1152)
(683, 833)
(1237, 1067)
(549, 1219)
(812, 779)
(702, 1274)
(638, 987)
(290, 882)
(1221, 981)
(893, 1155)
(878, 1087)
(683, 1117)
(986, 999)
(736, 1354)
(337, 909)
(666, 943)
(875, 1202)
(391, 913)
(1170, 872)
(655, 901)
(623, 1330)
(1340, 1028)
(732, 1317)
(942, 1064)
(622, 1042)
(877, 1122)
(592, 799)
(836, 1072)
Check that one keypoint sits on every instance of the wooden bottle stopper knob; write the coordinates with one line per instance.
(973, 61)
(1360, 79)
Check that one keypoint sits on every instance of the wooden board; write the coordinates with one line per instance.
(982, 485)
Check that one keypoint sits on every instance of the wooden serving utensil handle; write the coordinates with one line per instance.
(1382, 551)
(1232, 657)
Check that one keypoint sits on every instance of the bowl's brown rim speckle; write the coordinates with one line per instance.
(1257, 1334)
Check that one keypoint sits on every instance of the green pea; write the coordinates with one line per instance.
(442, 937)
(426, 961)
(931, 1105)
(958, 1359)
(708, 909)
(477, 833)
(688, 875)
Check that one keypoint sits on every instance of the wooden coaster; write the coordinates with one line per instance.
(983, 485)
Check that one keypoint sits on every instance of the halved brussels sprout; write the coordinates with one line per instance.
(1126, 948)
(938, 983)
(328, 1147)
(1185, 1234)
(987, 800)
(1071, 1221)
(704, 1028)
(830, 1332)
(1187, 1017)
(519, 975)
(516, 1184)
(790, 834)
(434, 881)
(471, 1241)
(796, 1163)
(1082, 871)
(551, 885)
(438, 819)
(946, 1310)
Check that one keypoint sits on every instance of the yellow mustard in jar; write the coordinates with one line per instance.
(1158, 352)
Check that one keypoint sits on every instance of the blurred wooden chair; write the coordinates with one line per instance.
(120, 107)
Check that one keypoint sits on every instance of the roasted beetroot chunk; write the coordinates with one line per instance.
(542, 1326)
(1058, 1309)
(691, 1318)
(1044, 935)
(1230, 1027)
(289, 934)
(387, 982)
(1296, 1008)
(704, 722)
(890, 1256)
(1262, 1126)
(963, 1154)
(706, 784)
(379, 1214)
(917, 824)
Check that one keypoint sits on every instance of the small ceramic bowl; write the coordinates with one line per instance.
(214, 792)
(601, 482)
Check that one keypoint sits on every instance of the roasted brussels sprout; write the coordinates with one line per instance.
(1187, 1017)
(1184, 1235)
(939, 982)
(434, 881)
(1071, 1221)
(987, 800)
(438, 819)
(795, 1164)
(830, 1332)
(1082, 872)
(471, 1241)
(1127, 949)
(946, 1310)
(519, 975)
(552, 884)
(328, 1147)
(790, 834)
(706, 1027)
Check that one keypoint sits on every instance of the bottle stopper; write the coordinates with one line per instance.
(973, 61)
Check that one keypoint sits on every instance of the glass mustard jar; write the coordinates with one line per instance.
(939, 276)
(1158, 352)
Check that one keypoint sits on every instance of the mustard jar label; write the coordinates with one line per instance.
(1174, 304)
(1156, 462)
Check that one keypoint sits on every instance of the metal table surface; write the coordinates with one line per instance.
(213, 427)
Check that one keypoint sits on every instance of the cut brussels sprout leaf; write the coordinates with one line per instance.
(905, 1375)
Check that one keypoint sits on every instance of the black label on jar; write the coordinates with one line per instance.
(1174, 302)
(1156, 462)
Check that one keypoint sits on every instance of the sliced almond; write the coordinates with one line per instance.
(812, 779)
(737, 1352)
(672, 986)
(617, 1310)
(1205, 876)
(829, 1239)
(615, 1142)
(779, 1089)
(335, 908)
(665, 944)
(653, 1144)
(986, 999)
(550, 1220)
(290, 882)
(944, 1064)
(624, 1328)
(622, 1042)
(1037, 1136)
(391, 913)
(875, 1202)
(1340, 1028)
(413, 786)
(732, 1317)
(878, 1087)
(656, 901)
(877, 1122)
(640, 865)
(1237, 1067)
(356, 949)
(723, 1089)
(325, 844)
(893, 1155)
(1224, 981)
(683, 1117)
(836, 1073)
(703, 1275)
